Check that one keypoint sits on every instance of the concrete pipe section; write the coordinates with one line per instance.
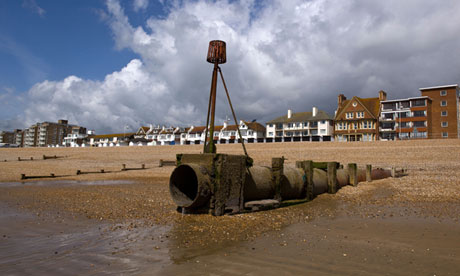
(190, 186)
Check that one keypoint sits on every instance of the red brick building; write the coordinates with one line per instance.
(445, 110)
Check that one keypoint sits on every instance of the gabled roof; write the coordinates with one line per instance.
(143, 129)
(197, 129)
(372, 106)
(301, 117)
(255, 126)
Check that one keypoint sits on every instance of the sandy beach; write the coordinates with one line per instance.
(124, 222)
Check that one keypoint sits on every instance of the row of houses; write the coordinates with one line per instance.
(155, 135)
(433, 114)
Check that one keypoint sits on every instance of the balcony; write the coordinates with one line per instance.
(387, 129)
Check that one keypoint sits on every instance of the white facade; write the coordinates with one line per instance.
(311, 125)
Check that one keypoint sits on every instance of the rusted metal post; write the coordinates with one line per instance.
(23, 176)
(78, 172)
(332, 177)
(368, 173)
(353, 174)
(143, 166)
(123, 167)
(102, 171)
(216, 56)
(210, 146)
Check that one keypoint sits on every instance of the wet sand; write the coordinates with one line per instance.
(396, 226)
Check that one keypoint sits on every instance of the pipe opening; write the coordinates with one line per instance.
(183, 186)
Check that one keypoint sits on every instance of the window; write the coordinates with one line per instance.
(290, 125)
(443, 93)
(443, 103)
(419, 113)
(444, 124)
(297, 124)
(349, 115)
(389, 106)
(418, 102)
(355, 125)
(419, 124)
(250, 132)
(305, 124)
(404, 114)
(444, 113)
(279, 126)
(366, 124)
(270, 134)
(323, 131)
(270, 125)
(405, 124)
(360, 114)
(289, 134)
(305, 133)
(445, 135)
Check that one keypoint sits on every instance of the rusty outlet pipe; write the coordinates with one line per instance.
(190, 183)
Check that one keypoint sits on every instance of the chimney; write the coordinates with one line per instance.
(382, 95)
(289, 115)
(341, 99)
(314, 111)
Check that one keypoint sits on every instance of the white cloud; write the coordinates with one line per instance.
(34, 7)
(140, 5)
(280, 54)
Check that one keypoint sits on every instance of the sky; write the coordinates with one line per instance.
(107, 64)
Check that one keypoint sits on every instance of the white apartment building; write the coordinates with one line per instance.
(316, 125)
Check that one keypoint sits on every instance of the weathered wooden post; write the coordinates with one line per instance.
(309, 174)
(332, 177)
(353, 174)
(123, 167)
(393, 171)
(160, 164)
(277, 172)
(143, 166)
(368, 173)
